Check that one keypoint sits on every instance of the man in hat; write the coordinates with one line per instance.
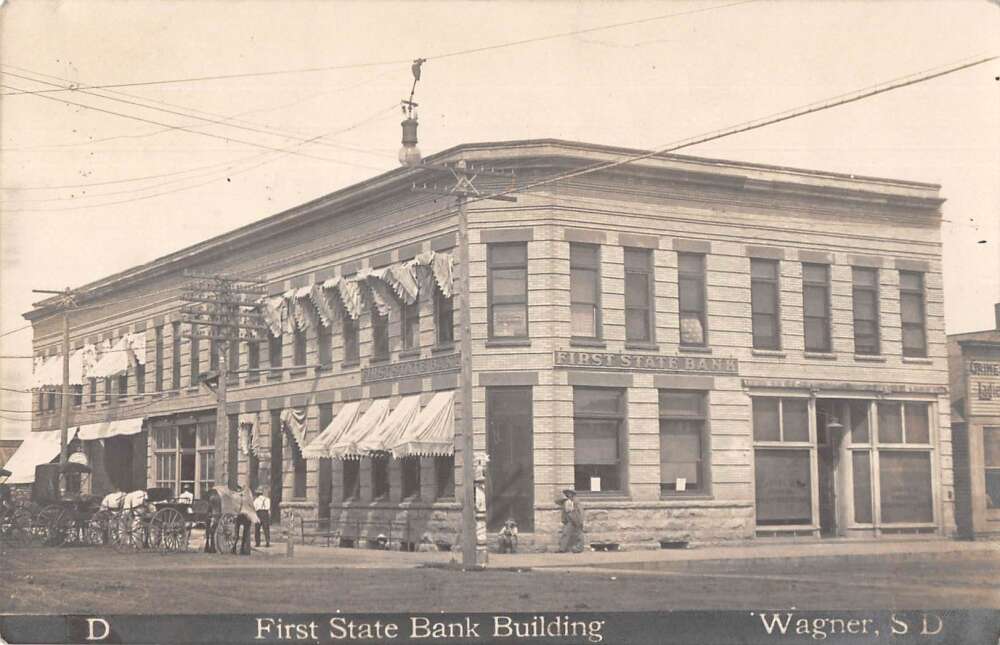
(262, 505)
(571, 536)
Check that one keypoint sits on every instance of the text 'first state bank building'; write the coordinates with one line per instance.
(706, 350)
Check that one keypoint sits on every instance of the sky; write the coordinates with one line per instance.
(87, 193)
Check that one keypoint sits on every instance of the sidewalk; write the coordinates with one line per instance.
(895, 550)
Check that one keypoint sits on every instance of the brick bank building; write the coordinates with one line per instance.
(707, 350)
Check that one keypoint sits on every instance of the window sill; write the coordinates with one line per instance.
(323, 369)
(409, 353)
(823, 356)
(695, 349)
(651, 347)
(174, 393)
(297, 373)
(608, 496)
(670, 496)
(768, 353)
(443, 349)
(509, 342)
(346, 365)
(871, 358)
(192, 390)
(274, 377)
(378, 360)
(587, 342)
(139, 397)
(252, 379)
(915, 360)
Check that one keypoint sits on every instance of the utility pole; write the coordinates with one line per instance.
(67, 301)
(474, 554)
(227, 305)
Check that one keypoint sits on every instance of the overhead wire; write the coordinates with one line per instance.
(451, 54)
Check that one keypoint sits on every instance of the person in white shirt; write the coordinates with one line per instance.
(262, 505)
(186, 497)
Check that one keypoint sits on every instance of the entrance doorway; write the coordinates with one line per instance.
(511, 483)
(831, 420)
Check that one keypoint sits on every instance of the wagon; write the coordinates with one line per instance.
(163, 523)
(63, 519)
(15, 519)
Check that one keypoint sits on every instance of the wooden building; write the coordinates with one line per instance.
(707, 350)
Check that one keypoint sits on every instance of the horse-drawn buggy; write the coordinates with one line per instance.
(58, 519)
(15, 518)
(151, 519)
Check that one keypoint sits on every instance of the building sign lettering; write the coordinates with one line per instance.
(408, 369)
(646, 362)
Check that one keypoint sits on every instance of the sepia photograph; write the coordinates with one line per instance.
(562, 322)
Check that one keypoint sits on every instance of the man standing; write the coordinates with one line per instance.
(571, 538)
(262, 505)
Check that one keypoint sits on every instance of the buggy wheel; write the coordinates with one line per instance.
(41, 527)
(225, 534)
(168, 531)
(20, 527)
(60, 528)
(129, 534)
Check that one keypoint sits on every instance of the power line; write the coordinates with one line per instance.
(223, 121)
(280, 153)
(233, 117)
(13, 331)
(204, 134)
(326, 68)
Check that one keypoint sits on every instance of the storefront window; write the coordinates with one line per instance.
(444, 475)
(185, 457)
(351, 479)
(410, 467)
(861, 464)
(682, 442)
(991, 461)
(508, 290)
(905, 482)
(783, 486)
(380, 477)
(776, 419)
(598, 419)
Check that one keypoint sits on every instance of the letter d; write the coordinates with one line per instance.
(940, 626)
(91, 636)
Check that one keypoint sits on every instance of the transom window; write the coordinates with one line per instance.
(903, 423)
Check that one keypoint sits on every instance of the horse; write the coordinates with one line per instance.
(223, 502)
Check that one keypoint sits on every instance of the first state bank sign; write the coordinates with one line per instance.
(646, 362)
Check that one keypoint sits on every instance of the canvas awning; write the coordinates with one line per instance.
(392, 428)
(293, 421)
(47, 372)
(432, 432)
(320, 446)
(347, 446)
(106, 429)
(37, 448)
(113, 359)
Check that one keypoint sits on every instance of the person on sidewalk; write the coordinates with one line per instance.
(262, 505)
(571, 536)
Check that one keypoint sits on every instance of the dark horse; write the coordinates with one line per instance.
(226, 502)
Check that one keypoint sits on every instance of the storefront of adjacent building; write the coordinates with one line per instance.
(974, 361)
(705, 350)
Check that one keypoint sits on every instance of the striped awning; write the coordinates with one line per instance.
(432, 432)
(346, 447)
(392, 428)
(107, 429)
(342, 422)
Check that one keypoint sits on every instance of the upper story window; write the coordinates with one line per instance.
(93, 389)
(864, 291)
(816, 307)
(639, 309)
(213, 354)
(911, 307)
(274, 351)
(324, 344)
(77, 396)
(380, 336)
(175, 342)
(764, 294)
(691, 290)
(298, 347)
(195, 356)
(123, 385)
(140, 378)
(350, 334)
(585, 290)
(507, 290)
(410, 324)
(444, 318)
(158, 365)
(233, 349)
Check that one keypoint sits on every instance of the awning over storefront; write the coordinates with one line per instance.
(432, 432)
(347, 446)
(107, 429)
(113, 359)
(320, 446)
(392, 428)
(37, 448)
